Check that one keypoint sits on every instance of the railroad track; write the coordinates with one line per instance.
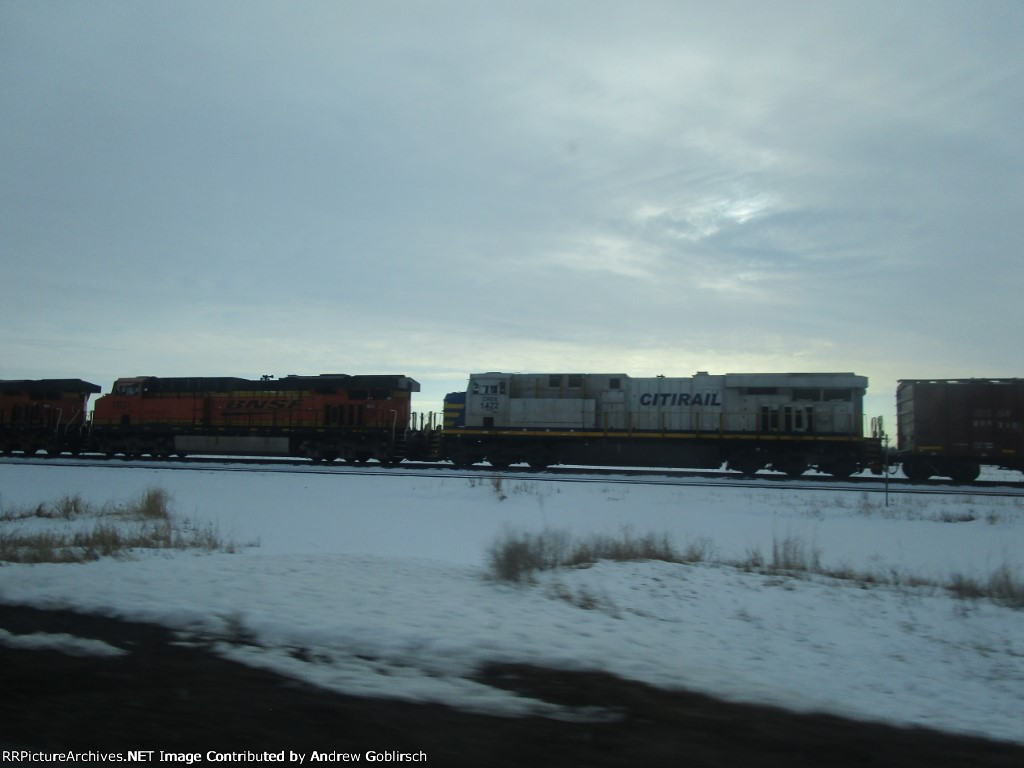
(625, 476)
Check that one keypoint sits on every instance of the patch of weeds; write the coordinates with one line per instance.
(955, 516)
(752, 561)
(627, 547)
(153, 504)
(515, 557)
(585, 599)
(1003, 585)
(791, 554)
(142, 523)
(70, 507)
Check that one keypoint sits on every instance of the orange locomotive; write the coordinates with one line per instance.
(47, 414)
(324, 417)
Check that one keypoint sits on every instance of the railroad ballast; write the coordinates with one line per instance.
(788, 422)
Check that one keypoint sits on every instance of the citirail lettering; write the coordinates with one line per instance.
(684, 399)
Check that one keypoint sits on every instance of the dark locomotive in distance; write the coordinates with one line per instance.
(787, 422)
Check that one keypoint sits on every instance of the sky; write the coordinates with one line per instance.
(439, 188)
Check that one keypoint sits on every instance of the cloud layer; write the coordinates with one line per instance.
(438, 188)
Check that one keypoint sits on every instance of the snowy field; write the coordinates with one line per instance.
(377, 584)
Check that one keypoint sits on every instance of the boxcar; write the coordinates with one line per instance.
(44, 414)
(319, 417)
(953, 427)
(788, 422)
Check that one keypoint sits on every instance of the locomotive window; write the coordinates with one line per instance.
(838, 395)
(555, 381)
(358, 394)
(575, 381)
(813, 395)
(380, 394)
(762, 390)
(614, 383)
(489, 388)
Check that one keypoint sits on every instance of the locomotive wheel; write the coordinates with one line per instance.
(746, 462)
(792, 466)
(840, 468)
(965, 472)
(464, 460)
(917, 470)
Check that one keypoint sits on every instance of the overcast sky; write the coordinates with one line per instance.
(437, 188)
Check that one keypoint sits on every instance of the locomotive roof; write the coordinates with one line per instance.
(1010, 381)
(291, 382)
(48, 385)
(764, 379)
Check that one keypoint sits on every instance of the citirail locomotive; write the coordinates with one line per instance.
(745, 422)
(789, 422)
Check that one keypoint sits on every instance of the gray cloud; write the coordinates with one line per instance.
(436, 188)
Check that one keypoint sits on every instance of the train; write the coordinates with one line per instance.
(789, 423)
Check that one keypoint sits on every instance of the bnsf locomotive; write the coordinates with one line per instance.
(787, 422)
(50, 415)
(327, 417)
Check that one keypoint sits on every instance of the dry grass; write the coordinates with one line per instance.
(73, 531)
(515, 557)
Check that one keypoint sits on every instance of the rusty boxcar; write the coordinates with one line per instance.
(952, 427)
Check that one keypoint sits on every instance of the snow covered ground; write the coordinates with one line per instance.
(377, 585)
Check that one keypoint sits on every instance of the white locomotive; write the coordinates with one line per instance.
(789, 422)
